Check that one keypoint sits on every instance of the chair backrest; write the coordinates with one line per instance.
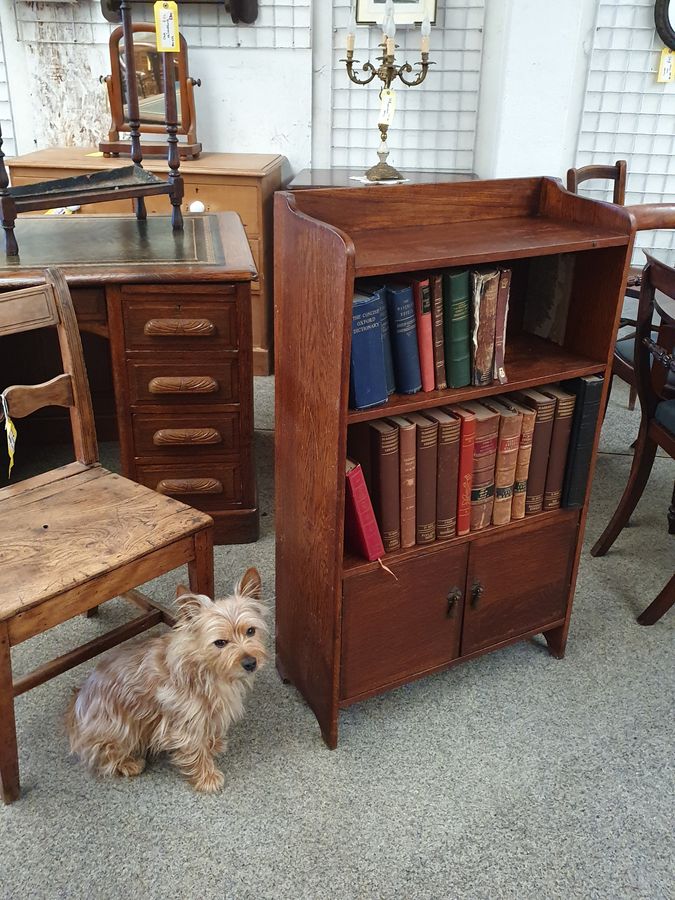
(652, 379)
(615, 173)
(50, 305)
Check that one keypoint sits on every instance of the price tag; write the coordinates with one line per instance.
(10, 430)
(387, 106)
(166, 26)
(666, 66)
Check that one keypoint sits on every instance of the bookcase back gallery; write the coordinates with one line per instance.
(346, 629)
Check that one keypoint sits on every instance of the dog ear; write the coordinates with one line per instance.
(180, 590)
(190, 604)
(250, 584)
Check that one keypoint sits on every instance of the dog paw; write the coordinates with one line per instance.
(129, 768)
(209, 782)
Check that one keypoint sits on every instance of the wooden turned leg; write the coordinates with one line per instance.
(660, 606)
(141, 212)
(9, 757)
(200, 569)
(671, 514)
(176, 216)
(11, 246)
(632, 397)
(643, 460)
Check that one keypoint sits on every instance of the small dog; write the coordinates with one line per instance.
(178, 692)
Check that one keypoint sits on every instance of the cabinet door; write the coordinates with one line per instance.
(394, 629)
(518, 582)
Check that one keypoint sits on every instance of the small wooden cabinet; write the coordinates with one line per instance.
(346, 629)
(243, 183)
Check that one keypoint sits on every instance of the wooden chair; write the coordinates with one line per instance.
(79, 535)
(657, 425)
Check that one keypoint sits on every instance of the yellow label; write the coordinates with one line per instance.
(666, 66)
(166, 26)
(10, 430)
(387, 106)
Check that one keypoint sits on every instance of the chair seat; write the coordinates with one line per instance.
(665, 415)
(58, 531)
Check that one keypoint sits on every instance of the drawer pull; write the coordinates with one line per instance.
(184, 437)
(179, 328)
(476, 594)
(189, 384)
(190, 486)
(454, 596)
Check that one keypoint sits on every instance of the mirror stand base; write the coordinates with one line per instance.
(123, 148)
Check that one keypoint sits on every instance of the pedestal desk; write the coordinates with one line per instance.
(175, 308)
(241, 182)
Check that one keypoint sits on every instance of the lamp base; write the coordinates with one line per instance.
(382, 171)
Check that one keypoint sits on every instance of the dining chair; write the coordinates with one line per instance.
(76, 536)
(657, 424)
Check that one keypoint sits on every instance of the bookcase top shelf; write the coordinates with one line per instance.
(530, 361)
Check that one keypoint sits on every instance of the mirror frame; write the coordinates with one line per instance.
(664, 20)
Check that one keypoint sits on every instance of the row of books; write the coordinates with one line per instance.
(428, 332)
(438, 473)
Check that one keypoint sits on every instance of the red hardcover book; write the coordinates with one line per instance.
(362, 536)
(425, 333)
(465, 470)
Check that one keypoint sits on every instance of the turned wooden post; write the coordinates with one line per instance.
(7, 207)
(171, 115)
(132, 98)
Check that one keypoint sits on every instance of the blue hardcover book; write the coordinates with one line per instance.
(367, 378)
(403, 331)
(379, 290)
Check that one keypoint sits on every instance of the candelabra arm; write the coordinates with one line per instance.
(420, 76)
(367, 67)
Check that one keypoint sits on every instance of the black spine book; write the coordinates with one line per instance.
(588, 390)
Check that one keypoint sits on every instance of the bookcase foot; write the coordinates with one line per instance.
(556, 639)
(329, 733)
(282, 673)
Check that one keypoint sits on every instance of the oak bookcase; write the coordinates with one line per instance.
(346, 630)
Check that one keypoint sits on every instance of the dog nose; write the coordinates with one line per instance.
(249, 663)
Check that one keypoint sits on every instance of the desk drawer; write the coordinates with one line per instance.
(195, 435)
(181, 383)
(175, 322)
(207, 486)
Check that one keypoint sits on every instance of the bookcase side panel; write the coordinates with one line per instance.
(313, 287)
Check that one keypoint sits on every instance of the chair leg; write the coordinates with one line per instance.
(671, 514)
(200, 569)
(645, 451)
(632, 397)
(660, 606)
(9, 756)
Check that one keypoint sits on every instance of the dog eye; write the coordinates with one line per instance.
(220, 643)
(250, 631)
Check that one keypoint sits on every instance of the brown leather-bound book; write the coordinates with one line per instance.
(560, 440)
(508, 442)
(499, 372)
(426, 464)
(484, 458)
(436, 289)
(407, 441)
(541, 444)
(485, 288)
(446, 472)
(384, 490)
(524, 453)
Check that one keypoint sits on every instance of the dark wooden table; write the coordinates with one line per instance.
(329, 178)
(174, 312)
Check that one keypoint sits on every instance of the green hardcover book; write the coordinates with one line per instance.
(456, 297)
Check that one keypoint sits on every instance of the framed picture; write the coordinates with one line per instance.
(406, 12)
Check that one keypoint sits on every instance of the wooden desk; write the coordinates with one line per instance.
(330, 178)
(241, 182)
(175, 307)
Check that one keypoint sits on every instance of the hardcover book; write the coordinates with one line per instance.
(560, 439)
(465, 469)
(362, 536)
(456, 291)
(484, 458)
(541, 444)
(499, 372)
(367, 376)
(547, 297)
(403, 333)
(407, 443)
(485, 288)
(377, 289)
(529, 417)
(508, 444)
(447, 471)
(588, 392)
(436, 289)
(384, 488)
(426, 465)
(423, 321)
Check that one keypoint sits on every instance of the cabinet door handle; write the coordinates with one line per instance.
(476, 594)
(454, 596)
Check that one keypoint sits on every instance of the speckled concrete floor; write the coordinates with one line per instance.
(513, 776)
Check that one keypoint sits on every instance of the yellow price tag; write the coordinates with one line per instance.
(666, 66)
(387, 106)
(166, 26)
(10, 430)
